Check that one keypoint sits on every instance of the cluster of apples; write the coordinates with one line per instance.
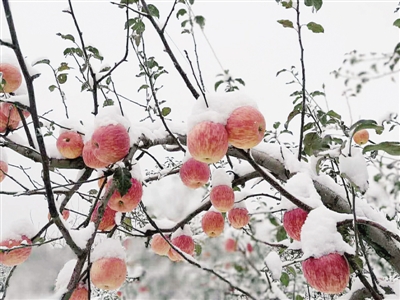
(329, 273)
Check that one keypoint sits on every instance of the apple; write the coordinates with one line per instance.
(213, 223)
(70, 144)
(245, 127)
(222, 197)
(65, 215)
(328, 274)
(7, 123)
(185, 243)
(108, 273)
(107, 221)
(361, 137)
(238, 217)
(12, 76)
(3, 170)
(194, 174)
(127, 202)
(230, 245)
(207, 142)
(110, 143)
(159, 245)
(90, 159)
(11, 111)
(17, 256)
(249, 248)
(80, 293)
(293, 221)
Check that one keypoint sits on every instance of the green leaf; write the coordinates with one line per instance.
(181, 12)
(122, 178)
(191, 2)
(165, 111)
(286, 23)
(67, 37)
(198, 249)
(42, 61)
(298, 297)
(366, 124)
(128, 1)
(392, 148)
(52, 88)
(314, 27)
(129, 23)
(200, 21)
(143, 86)
(285, 279)
(127, 224)
(317, 4)
(334, 114)
(64, 66)
(240, 80)
(62, 78)
(276, 125)
(217, 84)
(108, 102)
(281, 234)
(397, 23)
(105, 69)
(287, 4)
(280, 71)
(153, 11)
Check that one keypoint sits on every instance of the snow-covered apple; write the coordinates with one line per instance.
(12, 77)
(212, 223)
(293, 221)
(238, 217)
(222, 197)
(110, 143)
(90, 159)
(107, 221)
(183, 241)
(127, 202)
(3, 170)
(70, 144)
(361, 137)
(108, 273)
(159, 245)
(245, 127)
(207, 142)
(194, 174)
(328, 274)
(17, 256)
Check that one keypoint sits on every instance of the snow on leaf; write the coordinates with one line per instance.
(274, 264)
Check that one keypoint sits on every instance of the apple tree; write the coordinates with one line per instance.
(222, 204)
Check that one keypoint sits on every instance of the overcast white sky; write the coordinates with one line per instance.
(248, 41)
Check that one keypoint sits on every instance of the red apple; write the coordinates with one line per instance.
(7, 123)
(293, 221)
(238, 217)
(108, 273)
(207, 142)
(108, 221)
(129, 201)
(90, 159)
(230, 245)
(249, 248)
(3, 170)
(70, 144)
(110, 143)
(65, 215)
(12, 76)
(222, 197)
(185, 243)
(80, 293)
(194, 174)
(327, 274)
(245, 127)
(213, 223)
(11, 111)
(361, 137)
(17, 256)
(159, 245)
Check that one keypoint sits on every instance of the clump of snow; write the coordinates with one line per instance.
(354, 167)
(220, 177)
(18, 229)
(301, 186)
(185, 231)
(136, 172)
(111, 115)
(319, 234)
(108, 248)
(3, 155)
(64, 276)
(161, 223)
(240, 199)
(117, 218)
(220, 106)
(274, 264)
(72, 124)
(81, 236)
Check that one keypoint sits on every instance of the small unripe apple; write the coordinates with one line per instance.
(238, 217)
(328, 274)
(194, 174)
(110, 143)
(129, 201)
(159, 245)
(3, 170)
(108, 273)
(208, 142)
(293, 221)
(245, 127)
(230, 245)
(361, 137)
(17, 256)
(12, 76)
(107, 221)
(212, 223)
(185, 243)
(70, 144)
(222, 197)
